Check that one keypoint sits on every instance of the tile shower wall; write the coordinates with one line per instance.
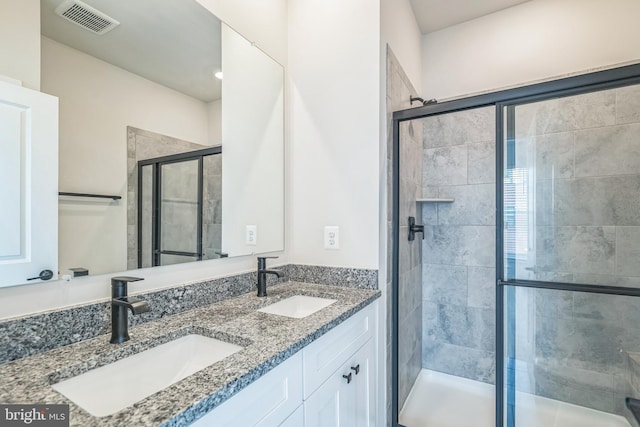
(458, 250)
(399, 89)
(582, 157)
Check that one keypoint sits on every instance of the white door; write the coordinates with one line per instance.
(28, 184)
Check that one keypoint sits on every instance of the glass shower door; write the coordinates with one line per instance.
(179, 212)
(571, 239)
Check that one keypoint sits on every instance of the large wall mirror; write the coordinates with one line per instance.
(172, 111)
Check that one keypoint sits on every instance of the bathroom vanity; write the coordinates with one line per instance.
(284, 370)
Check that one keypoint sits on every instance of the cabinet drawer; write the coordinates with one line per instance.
(324, 356)
(267, 402)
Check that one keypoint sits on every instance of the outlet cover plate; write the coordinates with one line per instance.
(332, 237)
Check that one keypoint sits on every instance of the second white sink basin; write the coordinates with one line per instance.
(110, 388)
(298, 306)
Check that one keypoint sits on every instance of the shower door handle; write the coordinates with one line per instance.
(414, 228)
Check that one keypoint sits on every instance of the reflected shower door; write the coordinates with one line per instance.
(179, 212)
(180, 203)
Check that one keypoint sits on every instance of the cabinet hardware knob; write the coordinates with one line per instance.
(356, 368)
(347, 377)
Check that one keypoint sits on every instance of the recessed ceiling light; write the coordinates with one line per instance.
(218, 75)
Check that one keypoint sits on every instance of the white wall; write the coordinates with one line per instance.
(533, 41)
(270, 34)
(20, 41)
(399, 29)
(263, 22)
(215, 122)
(334, 69)
(252, 156)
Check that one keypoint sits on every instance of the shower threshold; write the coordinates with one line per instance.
(441, 400)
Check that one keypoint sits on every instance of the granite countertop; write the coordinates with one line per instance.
(267, 339)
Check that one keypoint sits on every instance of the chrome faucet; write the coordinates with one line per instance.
(120, 302)
(262, 274)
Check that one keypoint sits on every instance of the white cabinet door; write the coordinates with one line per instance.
(323, 356)
(346, 402)
(28, 184)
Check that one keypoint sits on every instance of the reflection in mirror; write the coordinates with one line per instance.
(180, 216)
(146, 88)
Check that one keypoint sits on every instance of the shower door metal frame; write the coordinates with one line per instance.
(576, 85)
(156, 190)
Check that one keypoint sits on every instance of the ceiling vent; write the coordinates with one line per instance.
(86, 16)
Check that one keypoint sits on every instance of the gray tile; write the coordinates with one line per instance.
(460, 245)
(430, 213)
(526, 121)
(573, 339)
(554, 155)
(585, 111)
(445, 166)
(481, 287)
(628, 104)
(596, 307)
(410, 292)
(410, 335)
(444, 284)
(132, 208)
(545, 203)
(460, 361)
(482, 162)
(576, 249)
(633, 360)
(598, 201)
(613, 150)
(549, 303)
(409, 192)
(466, 327)
(132, 175)
(607, 280)
(580, 387)
(473, 205)
(404, 249)
(627, 251)
(459, 128)
(430, 191)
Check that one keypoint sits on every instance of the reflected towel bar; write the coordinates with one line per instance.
(99, 196)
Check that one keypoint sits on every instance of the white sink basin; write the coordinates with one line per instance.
(110, 388)
(298, 306)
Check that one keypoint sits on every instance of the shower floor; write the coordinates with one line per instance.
(441, 400)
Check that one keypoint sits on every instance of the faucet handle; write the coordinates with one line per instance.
(119, 285)
(126, 279)
(268, 257)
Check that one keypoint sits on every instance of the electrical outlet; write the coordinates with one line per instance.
(252, 235)
(332, 237)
